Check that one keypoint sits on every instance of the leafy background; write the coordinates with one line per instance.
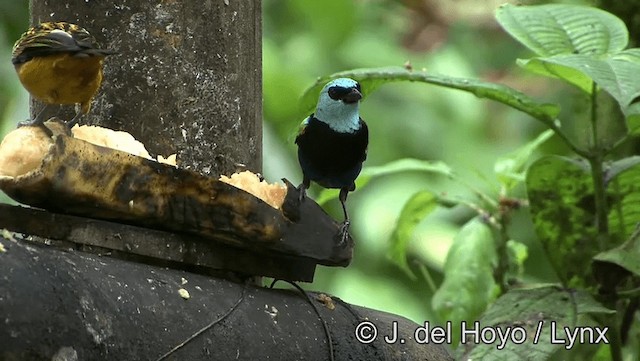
(306, 39)
(406, 120)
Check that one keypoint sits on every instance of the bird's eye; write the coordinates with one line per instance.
(337, 92)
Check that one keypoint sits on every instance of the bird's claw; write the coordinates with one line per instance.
(303, 193)
(35, 123)
(30, 122)
(73, 121)
(344, 233)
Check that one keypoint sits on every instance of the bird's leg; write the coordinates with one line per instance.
(74, 120)
(344, 228)
(38, 121)
(302, 188)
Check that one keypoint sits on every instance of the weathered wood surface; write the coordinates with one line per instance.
(154, 247)
(86, 307)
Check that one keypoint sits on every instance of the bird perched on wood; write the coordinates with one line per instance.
(59, 63)
(332, 142)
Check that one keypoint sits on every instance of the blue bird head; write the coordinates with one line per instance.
(338, 105)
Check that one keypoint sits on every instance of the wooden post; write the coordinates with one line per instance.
(187, 78)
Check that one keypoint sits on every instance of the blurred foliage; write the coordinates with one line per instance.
(13, 22)
(479, 246)
(303, 41)
(14, 18)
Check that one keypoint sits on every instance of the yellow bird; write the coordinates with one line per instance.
(59, 63)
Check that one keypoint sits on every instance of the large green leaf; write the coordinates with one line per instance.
(560, 193)
(627, 255)
(413, 212)
(532, 313)
(579, 45)
(468, 284)
(615, 74)
(557, 29)
(371, 78)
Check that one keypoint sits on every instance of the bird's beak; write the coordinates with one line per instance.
(353, 96)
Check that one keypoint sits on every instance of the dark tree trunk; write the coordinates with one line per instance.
(187, 78)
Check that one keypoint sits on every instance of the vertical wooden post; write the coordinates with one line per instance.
(187, 78)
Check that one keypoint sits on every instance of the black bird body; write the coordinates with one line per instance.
(330, 158)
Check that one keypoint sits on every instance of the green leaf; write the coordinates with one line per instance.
(623, 195)
(405, 165)
(517, 253)
(532, 310)
(468, 284)
(629, 55)
(371, 78)
(633, 118)
(620, 166)
(413, 212)
(560, 193)
(510, 169)
(556, 29)
(627, 255)
(578, 45)
(587, 305)
(616, 75)
(397, 166)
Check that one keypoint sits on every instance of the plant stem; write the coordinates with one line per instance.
(500, 272)
(497, 92)
(600, 200)
(594, 118)
(614, 338)
(613, 333)
(567, 141)
(596, 158)
(427, 277)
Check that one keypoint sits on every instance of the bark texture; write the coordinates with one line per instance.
(187, 78)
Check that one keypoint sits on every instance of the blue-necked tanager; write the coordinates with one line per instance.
(332, 142)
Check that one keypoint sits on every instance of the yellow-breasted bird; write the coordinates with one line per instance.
(59, 63)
